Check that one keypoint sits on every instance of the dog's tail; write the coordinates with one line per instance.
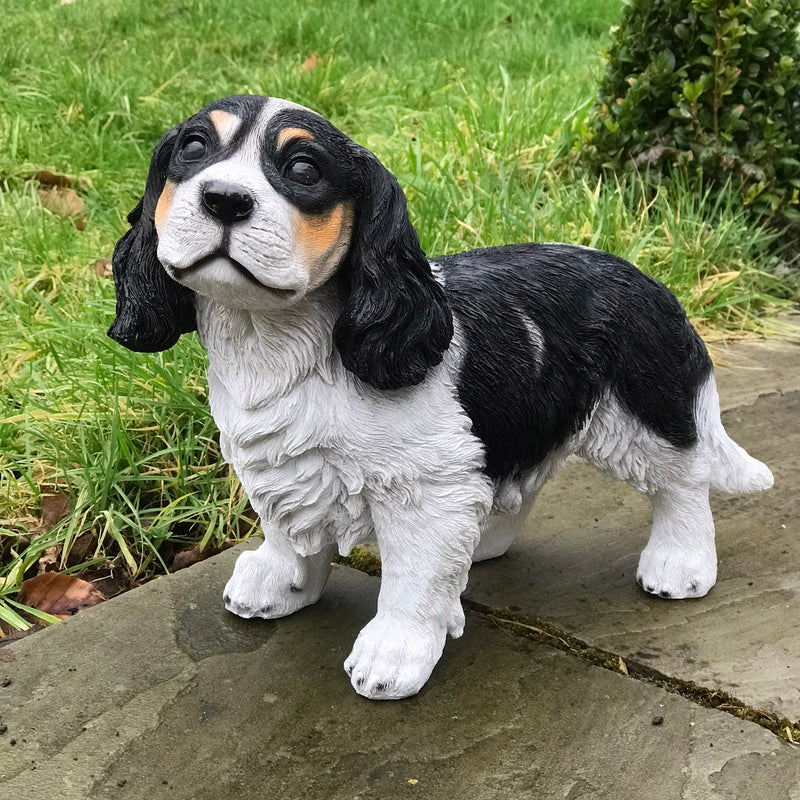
(731, 469)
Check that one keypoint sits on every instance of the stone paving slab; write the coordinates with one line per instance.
(753, 368)
(575, 563)
(160, 693)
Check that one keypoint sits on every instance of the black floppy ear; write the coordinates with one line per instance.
(396, 321)
(152, 309)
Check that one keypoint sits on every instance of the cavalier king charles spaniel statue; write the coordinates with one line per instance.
(365, 391)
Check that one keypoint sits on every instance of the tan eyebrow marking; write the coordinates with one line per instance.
(225, 124)
(164, 203)
(290, 134)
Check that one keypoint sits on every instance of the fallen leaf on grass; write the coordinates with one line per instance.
(61, 200)
(50, 559)
(102, 266)
(59, 595)
(47, 178)
(64, 202)
(310, 64)
(185, 558)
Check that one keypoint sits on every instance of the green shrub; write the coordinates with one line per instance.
(711, 87)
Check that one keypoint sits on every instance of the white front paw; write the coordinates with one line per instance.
(392, 659)
(676, 573)
(271, 583)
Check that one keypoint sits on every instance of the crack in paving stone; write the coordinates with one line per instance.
(530, 627)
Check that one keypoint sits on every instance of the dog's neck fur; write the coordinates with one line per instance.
(274, 379)
(260, 356)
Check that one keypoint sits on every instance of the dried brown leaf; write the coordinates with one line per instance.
(62, 201)
(102, 266)
(47, 178)
(310, 64)
(55, 507)
(59, 595)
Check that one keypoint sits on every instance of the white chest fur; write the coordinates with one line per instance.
(313, 446)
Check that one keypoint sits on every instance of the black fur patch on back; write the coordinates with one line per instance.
(598, 324)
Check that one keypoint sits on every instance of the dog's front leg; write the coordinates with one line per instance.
(426, 550)
(274, 580)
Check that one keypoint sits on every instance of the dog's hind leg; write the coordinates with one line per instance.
(513, 501)
(500, 531)
(680, 559)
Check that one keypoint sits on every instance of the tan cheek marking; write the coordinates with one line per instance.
(164, 203)
(319, 237)
(225, 124)
(290, 134)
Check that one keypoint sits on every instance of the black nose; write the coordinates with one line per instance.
(227, 201)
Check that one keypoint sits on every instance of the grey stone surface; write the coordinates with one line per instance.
(162, 694)
(575, 563)
(751, 369)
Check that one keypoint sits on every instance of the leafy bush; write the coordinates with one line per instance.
(710, 86)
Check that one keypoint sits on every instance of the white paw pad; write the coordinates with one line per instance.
(391, 660)
(675, 573)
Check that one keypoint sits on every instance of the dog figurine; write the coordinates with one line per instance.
(363, 391)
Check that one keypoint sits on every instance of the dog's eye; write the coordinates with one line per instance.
(194, 149)
(304, 172)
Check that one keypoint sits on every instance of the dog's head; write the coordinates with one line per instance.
(255, 202)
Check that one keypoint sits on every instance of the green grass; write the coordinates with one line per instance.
(475, 107)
